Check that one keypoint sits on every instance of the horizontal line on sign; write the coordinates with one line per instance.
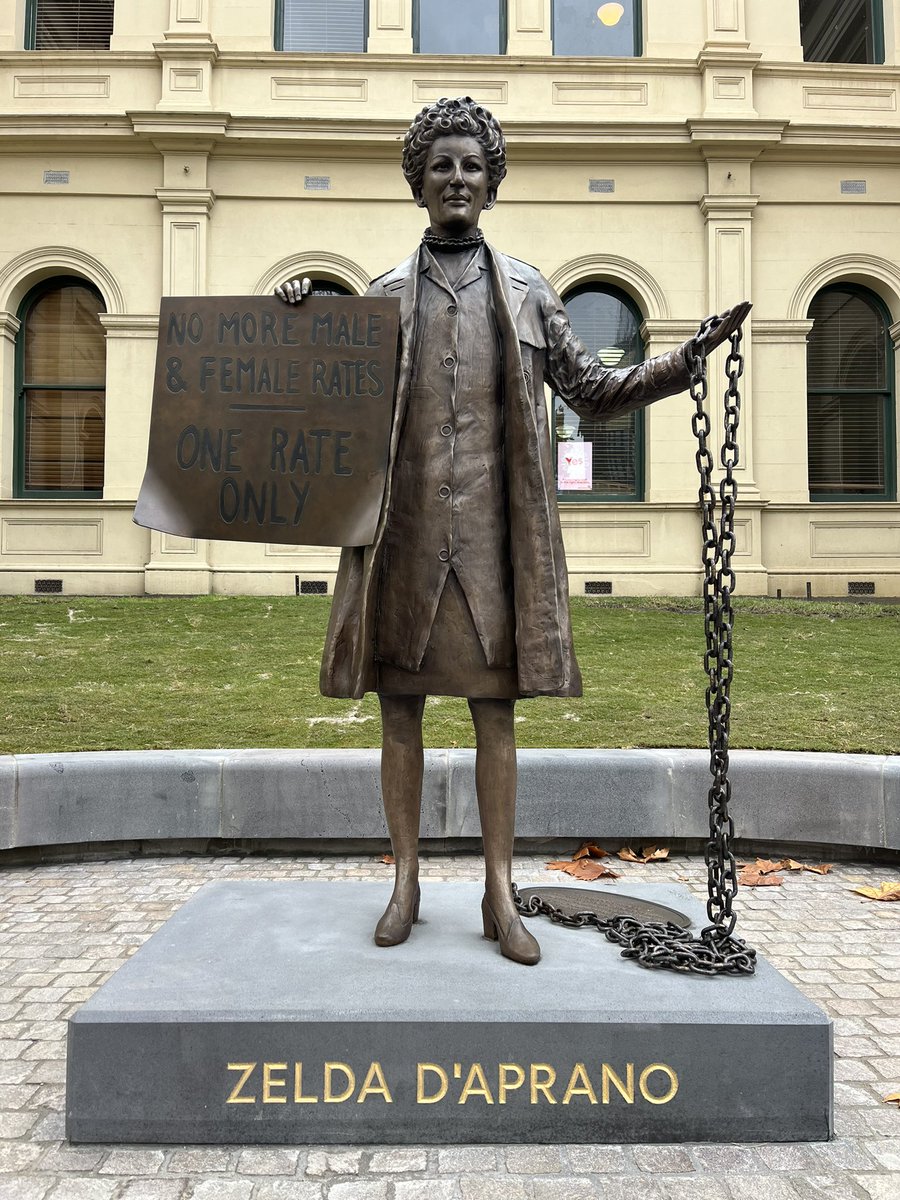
(266, 408)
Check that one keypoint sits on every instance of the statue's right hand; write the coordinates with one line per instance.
(293, 290)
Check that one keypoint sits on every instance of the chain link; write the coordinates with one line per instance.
(715, 951)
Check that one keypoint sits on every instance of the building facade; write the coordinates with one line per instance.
(665, 161)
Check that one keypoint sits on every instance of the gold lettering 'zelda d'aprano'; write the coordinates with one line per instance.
(453, 1083)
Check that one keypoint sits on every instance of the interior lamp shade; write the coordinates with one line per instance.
(611, 14)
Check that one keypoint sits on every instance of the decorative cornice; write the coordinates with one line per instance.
(722, 55)
(662, 329)
(789, 331)
(186, 123)
(728, 207)
(130, 325)
(186, 200)
(183, 47)
(9, 326)
(735, 131)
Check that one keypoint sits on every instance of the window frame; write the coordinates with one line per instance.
(889, 400)
(31, 33)
(638, 36)
(579, 497)
(503, 41)
(278, 33)
(877, 11)
(31, 298)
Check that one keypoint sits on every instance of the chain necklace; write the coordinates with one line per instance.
(434, 241)
(715, 951)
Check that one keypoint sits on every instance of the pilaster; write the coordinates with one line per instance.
(181, 566)
(186, 56)
(390, 27)
(130, 360)
(671, 474)
(726, 24)
(530, 30)
(729, 280)
(779, 397)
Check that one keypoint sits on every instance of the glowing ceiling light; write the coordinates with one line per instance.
(611, 14)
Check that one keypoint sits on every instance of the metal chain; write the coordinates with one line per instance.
(715, 951)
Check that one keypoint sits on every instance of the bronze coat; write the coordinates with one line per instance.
(537, 344)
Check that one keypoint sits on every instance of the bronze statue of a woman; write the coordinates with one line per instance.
(464, 590)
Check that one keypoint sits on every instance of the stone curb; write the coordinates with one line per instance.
(112, 796)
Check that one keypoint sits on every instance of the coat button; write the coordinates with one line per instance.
(452, 310)
(444, 555)
(443, 491)
(446, 430)
(449, 360)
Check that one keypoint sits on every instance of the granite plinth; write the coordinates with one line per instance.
(262, 1012)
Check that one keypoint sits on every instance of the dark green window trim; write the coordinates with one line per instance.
(279, 29)
(19, 490)
(30, 23)
(890, 436)
(638, 7)
(637, 496)
(875, 42)
(504, 28)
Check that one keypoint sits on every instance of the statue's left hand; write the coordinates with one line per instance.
(727, 323)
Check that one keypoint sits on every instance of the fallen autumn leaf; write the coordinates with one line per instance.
(888, 891)
(590, 850)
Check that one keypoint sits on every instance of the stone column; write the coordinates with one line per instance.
(181, 566)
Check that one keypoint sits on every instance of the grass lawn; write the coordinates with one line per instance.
(139, 673)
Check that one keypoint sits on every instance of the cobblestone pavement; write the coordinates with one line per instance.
(64, 930)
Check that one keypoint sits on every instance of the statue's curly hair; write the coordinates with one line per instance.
(445, 117)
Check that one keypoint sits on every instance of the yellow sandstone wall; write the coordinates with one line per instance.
(188, 144)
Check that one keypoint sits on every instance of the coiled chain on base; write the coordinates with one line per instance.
(715, 950)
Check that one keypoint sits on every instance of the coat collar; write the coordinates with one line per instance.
(401, 282)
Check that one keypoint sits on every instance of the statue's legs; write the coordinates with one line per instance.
(402, 767)
(495, 787)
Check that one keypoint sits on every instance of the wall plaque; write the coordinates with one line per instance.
(271, 422)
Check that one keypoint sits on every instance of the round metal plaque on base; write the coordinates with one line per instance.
(606, 905)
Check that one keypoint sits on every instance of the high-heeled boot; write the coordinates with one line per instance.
(397, 921)
(515, 941)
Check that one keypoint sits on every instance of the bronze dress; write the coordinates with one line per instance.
(445, 590)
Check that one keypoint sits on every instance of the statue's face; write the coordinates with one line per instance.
(455, 186)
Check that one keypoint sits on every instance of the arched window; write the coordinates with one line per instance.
(850, 406)
(60, 391)
(328, 287)
(601, 460)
